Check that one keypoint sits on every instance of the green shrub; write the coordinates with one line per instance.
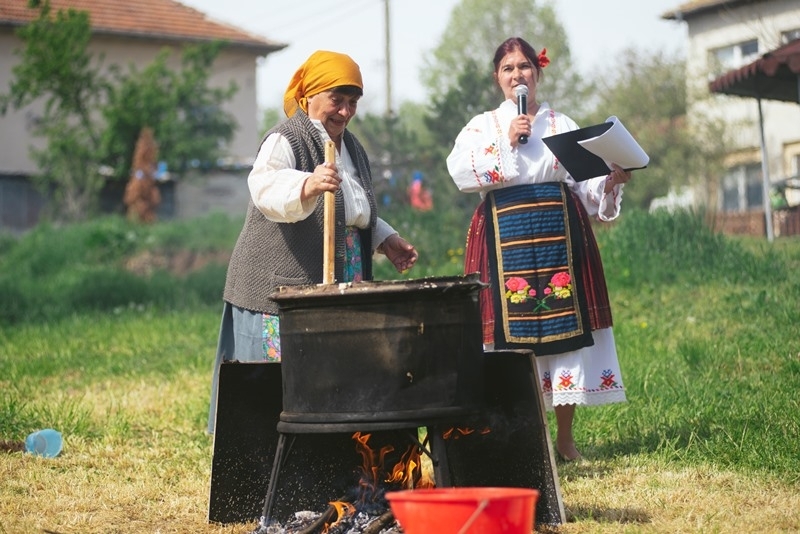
(204, 286)
(212, 232)
(55, 271)
(12, 300)
(52, 271)
(667, 248)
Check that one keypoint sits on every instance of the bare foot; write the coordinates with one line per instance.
(568, 452)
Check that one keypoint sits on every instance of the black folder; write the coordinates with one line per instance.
(580, 162)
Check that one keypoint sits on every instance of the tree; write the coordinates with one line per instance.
(270, 117)
(184, 112)
(475, 30)
(396, 149)
(91, 121)
(56, 67)
(649, 96)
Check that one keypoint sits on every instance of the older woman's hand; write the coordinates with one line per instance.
(618, 176)
(400, 252)
(324, 178)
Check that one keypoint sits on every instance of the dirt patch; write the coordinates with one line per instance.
(178, 263)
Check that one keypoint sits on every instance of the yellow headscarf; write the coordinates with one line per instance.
(323, 70)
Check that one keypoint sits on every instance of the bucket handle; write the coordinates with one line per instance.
(481, 507)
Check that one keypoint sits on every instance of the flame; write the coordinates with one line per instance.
(457, 432)
(407, 473)
(371, 466)
(413, 470)
(403, 471)
(343, 511)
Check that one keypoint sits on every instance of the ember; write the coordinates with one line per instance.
(455, 432)
(376, 480)
(367, 512)
(359, 523)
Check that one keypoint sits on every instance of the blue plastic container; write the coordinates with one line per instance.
(45, 443)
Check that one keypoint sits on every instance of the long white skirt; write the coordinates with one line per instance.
(589, 376)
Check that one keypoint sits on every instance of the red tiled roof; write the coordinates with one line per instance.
(774, 76)
(163, 19)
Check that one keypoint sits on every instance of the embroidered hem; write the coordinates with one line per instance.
(583, 398)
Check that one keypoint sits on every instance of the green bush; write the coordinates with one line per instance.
(438, 235)
(651, 249)
(12, 298)
(55, 271)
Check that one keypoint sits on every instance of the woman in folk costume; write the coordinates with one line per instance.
(531, 238)
(281, 243)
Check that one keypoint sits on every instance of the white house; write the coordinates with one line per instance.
(125, 33)
(724, 35)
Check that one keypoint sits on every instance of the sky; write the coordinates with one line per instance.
(596, 29)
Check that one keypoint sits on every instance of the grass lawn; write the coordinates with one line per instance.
(709, 440)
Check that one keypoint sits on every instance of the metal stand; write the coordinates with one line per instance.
(433, 447)
(255, 452)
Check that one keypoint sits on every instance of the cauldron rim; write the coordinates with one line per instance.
(433, 284)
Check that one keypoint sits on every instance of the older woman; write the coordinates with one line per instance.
(532, 238)
(281, 243)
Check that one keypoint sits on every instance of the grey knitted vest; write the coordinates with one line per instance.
(269, 255)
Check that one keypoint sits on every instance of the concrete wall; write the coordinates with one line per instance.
(215, 191)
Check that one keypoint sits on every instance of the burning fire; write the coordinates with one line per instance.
(343, 511)
(407, 473)
(413, 470)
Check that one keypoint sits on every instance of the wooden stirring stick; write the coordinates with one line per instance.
(329, 218)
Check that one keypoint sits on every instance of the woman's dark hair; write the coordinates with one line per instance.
(516, 43)
(348, 90)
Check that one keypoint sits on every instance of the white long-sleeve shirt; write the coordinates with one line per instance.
(276, 186)
(483, 159)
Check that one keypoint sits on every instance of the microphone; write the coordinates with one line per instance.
(521, 91)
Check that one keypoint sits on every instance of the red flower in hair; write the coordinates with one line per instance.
(543, 59)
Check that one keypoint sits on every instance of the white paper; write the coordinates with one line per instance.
(617, 145)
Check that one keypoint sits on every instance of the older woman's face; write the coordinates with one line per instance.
(516, 69)
(333, 110)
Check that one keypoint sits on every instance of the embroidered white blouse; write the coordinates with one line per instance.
(483, 159)
(275, 186)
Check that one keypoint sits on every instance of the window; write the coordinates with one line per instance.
(791, 159)
(732, 57)
(754, 188)
(730, 193)
(791, 35)
(742, 188)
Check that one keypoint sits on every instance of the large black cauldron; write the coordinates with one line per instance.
(380, 354)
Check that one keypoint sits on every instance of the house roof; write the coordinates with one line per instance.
(700, 7)
(774, 76)
(162, 19)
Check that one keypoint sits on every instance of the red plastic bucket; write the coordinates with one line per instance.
(465, 510)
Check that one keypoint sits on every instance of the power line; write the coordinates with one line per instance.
(314, 19)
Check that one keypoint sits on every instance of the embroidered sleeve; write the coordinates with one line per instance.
(599, 204)
(482, 157)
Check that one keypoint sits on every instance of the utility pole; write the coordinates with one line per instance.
(388, 52)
